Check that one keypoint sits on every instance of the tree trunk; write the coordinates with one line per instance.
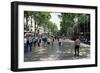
(35, 26)
(31, 23)
(27, 28)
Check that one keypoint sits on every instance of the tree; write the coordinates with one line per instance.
(82, 25)
(52, 27)
(66, 21)
(41, 19)
(27, 17)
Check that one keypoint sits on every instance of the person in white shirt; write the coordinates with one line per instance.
(25, 44)
(48, 41)
(30, 42)
(25, 40)
(60, 42)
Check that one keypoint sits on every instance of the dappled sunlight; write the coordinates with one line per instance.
(56, 36)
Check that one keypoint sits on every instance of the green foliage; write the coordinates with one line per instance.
(67, 21)
(67, 24)
(40, 19)
(82, 25)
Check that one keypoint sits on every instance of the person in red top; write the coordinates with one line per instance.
(77, 46)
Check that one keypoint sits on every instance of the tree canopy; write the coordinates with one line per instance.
(80, 25)
(41, 19)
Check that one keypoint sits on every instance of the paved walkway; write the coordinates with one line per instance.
(56, 52)
(71, 41)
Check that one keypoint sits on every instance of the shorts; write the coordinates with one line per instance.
(77, 47)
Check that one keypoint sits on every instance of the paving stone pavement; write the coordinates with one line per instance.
(56, 52)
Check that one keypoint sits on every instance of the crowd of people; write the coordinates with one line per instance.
(39, 40)
(31, 41)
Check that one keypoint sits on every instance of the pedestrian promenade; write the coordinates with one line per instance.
(56, 52)
(82, 44)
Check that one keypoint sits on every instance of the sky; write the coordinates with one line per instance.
(55, 19)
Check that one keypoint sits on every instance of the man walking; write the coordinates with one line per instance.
(77, 46)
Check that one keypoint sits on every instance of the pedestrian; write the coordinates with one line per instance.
(44, 39)
(52, 40)
(30, 43)
(35, 42)
(25, 44)
(77, 46)
(48, 41)
(60, 42)
(39, 41)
